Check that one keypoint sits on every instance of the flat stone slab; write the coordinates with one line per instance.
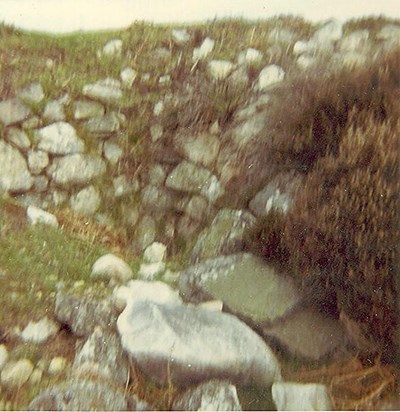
(308, 334)
(247, 286)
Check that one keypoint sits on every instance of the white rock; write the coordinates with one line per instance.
(16, 373)
(33, 93)
(213, 305)
(304, 61)
(204, 50)
(76, 169)
(37, 161)
(329, 32)
(354, 41)
(220, 69)
(269, 76)
(40, 183)
(13, 111)
(3, 356)
(128, 76)
(57, 365)
(149, 271)
(59, 138)
(37, 215)
(86, 202)
(158, 108)
(180, 36)
(112, 152)
(106, 90)
(141, 290)
(84, 109)
(18, 137)
(36, 377)
(156, 132)
(39, 332)
(250, 56)
(112, 267)
(301, 397)
(14, 176)
(113, 48)
(155, 253)
(123, 187)
(389, 32)
(54, 111)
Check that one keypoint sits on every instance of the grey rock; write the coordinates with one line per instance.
(54, 111)
(106, 91)
(331, 31)
(156, 175)
(40, 184)
(16, 373)
(188, 345)
(156, 132)
(86, 202)
(250, 56)
(59, 138)
(224, 236)
(83, 313)
(355, 41)
(111, 267)
(307, 334)
(279, 35)
(187, 177)
(270, 76)
(248, 130)
(40, 216)
(201, 149)
(204, 50)
(103, 125)
(197, 208)
(145, 233)
(32, 93)
(187, 228)
(210, 396)
(389, 32)
(15, 176)
(76, 169)
(84, 395)
(157, 199)
(85, 109)
(264, 297)
(112, 152)
(122, 186)
(128, 76)
(37, 161)
(3, 356)
(39, 332)
(180, 36)
(220, 69)
(18, 138)
(102, 355)
(32, 123)
(113, 48)
(291, 396)
(13, 111)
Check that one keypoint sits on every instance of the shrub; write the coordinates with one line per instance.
(341, 237)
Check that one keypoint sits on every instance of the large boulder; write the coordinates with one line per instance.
(210, 396)
(14, 176)
(187, 345)
(76, 169)
(224, 236)
(247, 286)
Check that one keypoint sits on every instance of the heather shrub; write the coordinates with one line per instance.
(341, 237)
